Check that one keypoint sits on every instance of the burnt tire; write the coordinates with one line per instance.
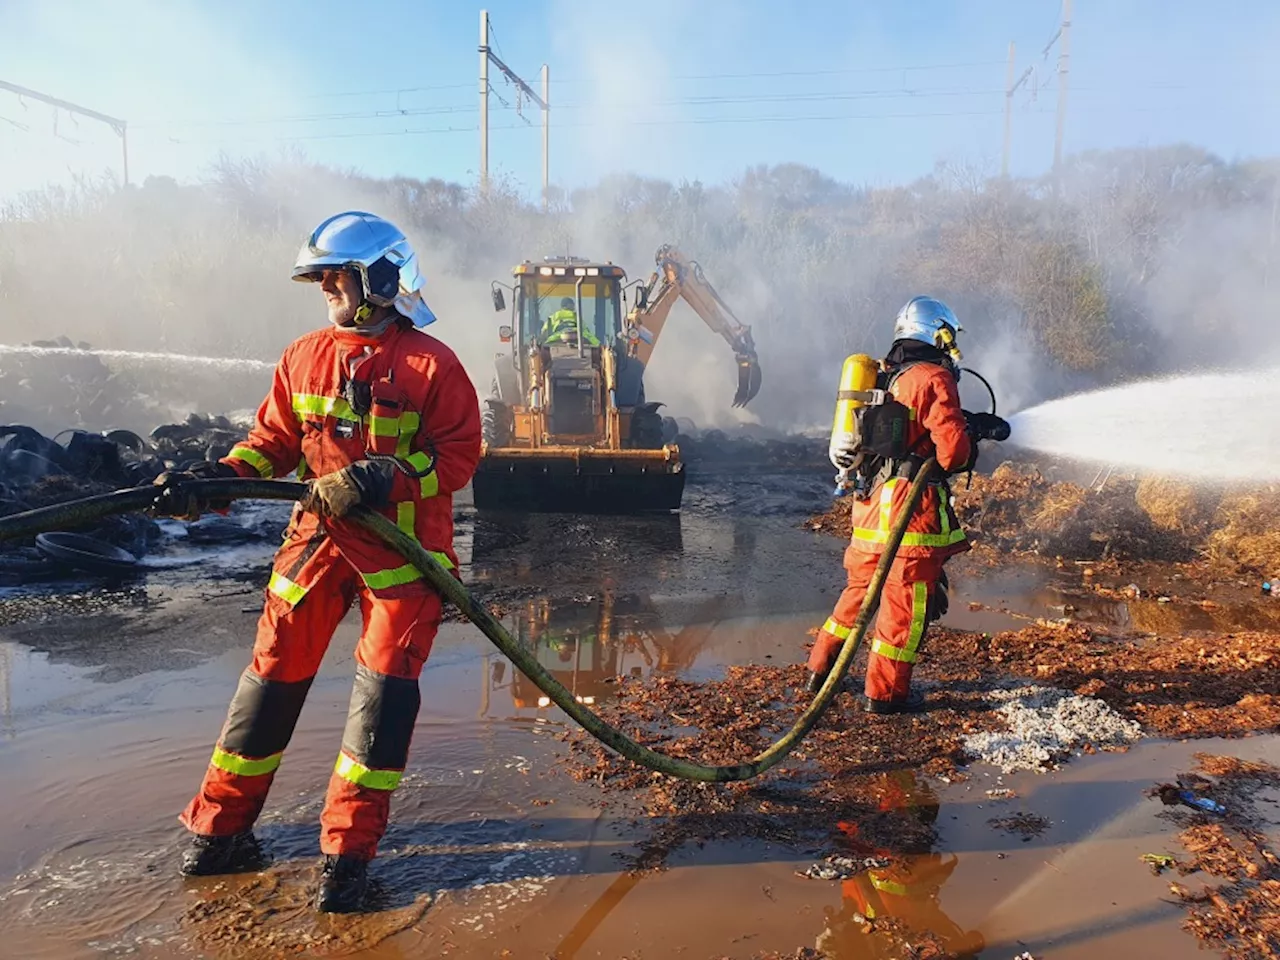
(647, 430)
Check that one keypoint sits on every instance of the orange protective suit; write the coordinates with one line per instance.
(937, 428)
(414, 406)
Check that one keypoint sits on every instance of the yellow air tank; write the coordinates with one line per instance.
(857, 379)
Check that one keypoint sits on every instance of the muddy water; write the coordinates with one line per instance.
(107, 718)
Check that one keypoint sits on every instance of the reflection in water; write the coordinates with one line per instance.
(587, 644)
(906, 891)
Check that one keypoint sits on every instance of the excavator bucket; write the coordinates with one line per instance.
(578, 480)
(748, 381)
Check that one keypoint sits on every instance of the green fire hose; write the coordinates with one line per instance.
(79, 512)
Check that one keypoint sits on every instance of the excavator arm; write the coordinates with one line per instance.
(678, 277)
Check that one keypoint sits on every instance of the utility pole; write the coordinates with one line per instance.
(119, 126)
(486, 56)
(546, 137)
(1010, 87)
(1064, 56)
(484, 102)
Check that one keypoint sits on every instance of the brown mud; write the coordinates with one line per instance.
(110, 701)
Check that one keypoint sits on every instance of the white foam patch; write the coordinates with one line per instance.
(1044, 725)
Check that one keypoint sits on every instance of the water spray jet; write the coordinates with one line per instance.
(1213, 426)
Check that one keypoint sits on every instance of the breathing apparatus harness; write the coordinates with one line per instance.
(883, 423)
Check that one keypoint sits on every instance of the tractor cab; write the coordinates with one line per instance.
(567, 427)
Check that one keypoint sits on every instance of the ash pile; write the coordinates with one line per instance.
(37, 471)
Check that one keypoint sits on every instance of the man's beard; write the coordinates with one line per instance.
(343, 316)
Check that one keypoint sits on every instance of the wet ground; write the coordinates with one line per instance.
(111, 700)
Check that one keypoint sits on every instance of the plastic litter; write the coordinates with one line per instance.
(841, 868)
(1159, 862)
(1171, 795)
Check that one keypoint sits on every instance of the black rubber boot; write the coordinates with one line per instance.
(211, 856)
(815, 682)
(344, 881)
(912, 703)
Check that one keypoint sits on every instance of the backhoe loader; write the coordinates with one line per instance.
(568, 427)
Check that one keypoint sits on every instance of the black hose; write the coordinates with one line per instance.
(985, 384)
(79, 512)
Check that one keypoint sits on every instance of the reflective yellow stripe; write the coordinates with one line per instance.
(404, 428)
(946, 538)
(405, 517)
(888, 886)
(919, 613)
(384, 426)
(919, 617)
(319, 406)
(911, 539)
(242, 766)
(889, 651)
(836, 630)
(409, 423)
(382, 579)
(430, 484)
(886, 504)
(286, 589)
(255, 460)
(302, 469)
(362, 776)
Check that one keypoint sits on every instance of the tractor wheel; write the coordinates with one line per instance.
(496, 424)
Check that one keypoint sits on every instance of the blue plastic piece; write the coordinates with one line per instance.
(1201, 803)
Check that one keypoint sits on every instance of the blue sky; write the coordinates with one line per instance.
(868, 92)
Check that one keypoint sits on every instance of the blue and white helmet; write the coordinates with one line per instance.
(929, 321)
(378, 251)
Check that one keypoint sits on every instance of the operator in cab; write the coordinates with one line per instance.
(562, 327)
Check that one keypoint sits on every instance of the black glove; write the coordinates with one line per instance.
(941, 599)
(173, 501)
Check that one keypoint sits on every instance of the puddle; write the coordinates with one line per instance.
(107, 719)
(1011, 596)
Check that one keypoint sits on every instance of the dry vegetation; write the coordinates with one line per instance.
(1016, 509)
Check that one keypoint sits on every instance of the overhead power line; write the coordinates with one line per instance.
(709, 100)
(1110, 107)
(583, 81)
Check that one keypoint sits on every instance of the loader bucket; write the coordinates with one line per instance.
(578, 480)
(748, 381)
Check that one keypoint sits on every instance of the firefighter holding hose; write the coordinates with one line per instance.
(371, 411)
(907, 410)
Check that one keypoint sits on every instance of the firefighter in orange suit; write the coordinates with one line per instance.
(370, 410)
(922, 375)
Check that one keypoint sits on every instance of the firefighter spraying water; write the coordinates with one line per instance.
(890, 418)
